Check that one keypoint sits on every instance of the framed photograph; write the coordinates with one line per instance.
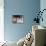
(17, 18)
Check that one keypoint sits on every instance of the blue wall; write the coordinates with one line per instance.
(13, 32)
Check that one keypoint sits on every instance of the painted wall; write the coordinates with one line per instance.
(1, 20)
(43, 6)
(13, 32)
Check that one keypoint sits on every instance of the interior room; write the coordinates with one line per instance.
(22, 22)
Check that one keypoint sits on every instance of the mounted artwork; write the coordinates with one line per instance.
(17, 19)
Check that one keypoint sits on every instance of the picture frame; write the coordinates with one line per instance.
(17, 19)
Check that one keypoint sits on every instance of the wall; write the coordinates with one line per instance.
(1, 20)
(13, 32)
(43, 6)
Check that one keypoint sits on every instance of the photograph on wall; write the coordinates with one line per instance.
(17, 18)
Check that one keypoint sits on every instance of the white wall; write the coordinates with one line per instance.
(43, 6)
(1, 20)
